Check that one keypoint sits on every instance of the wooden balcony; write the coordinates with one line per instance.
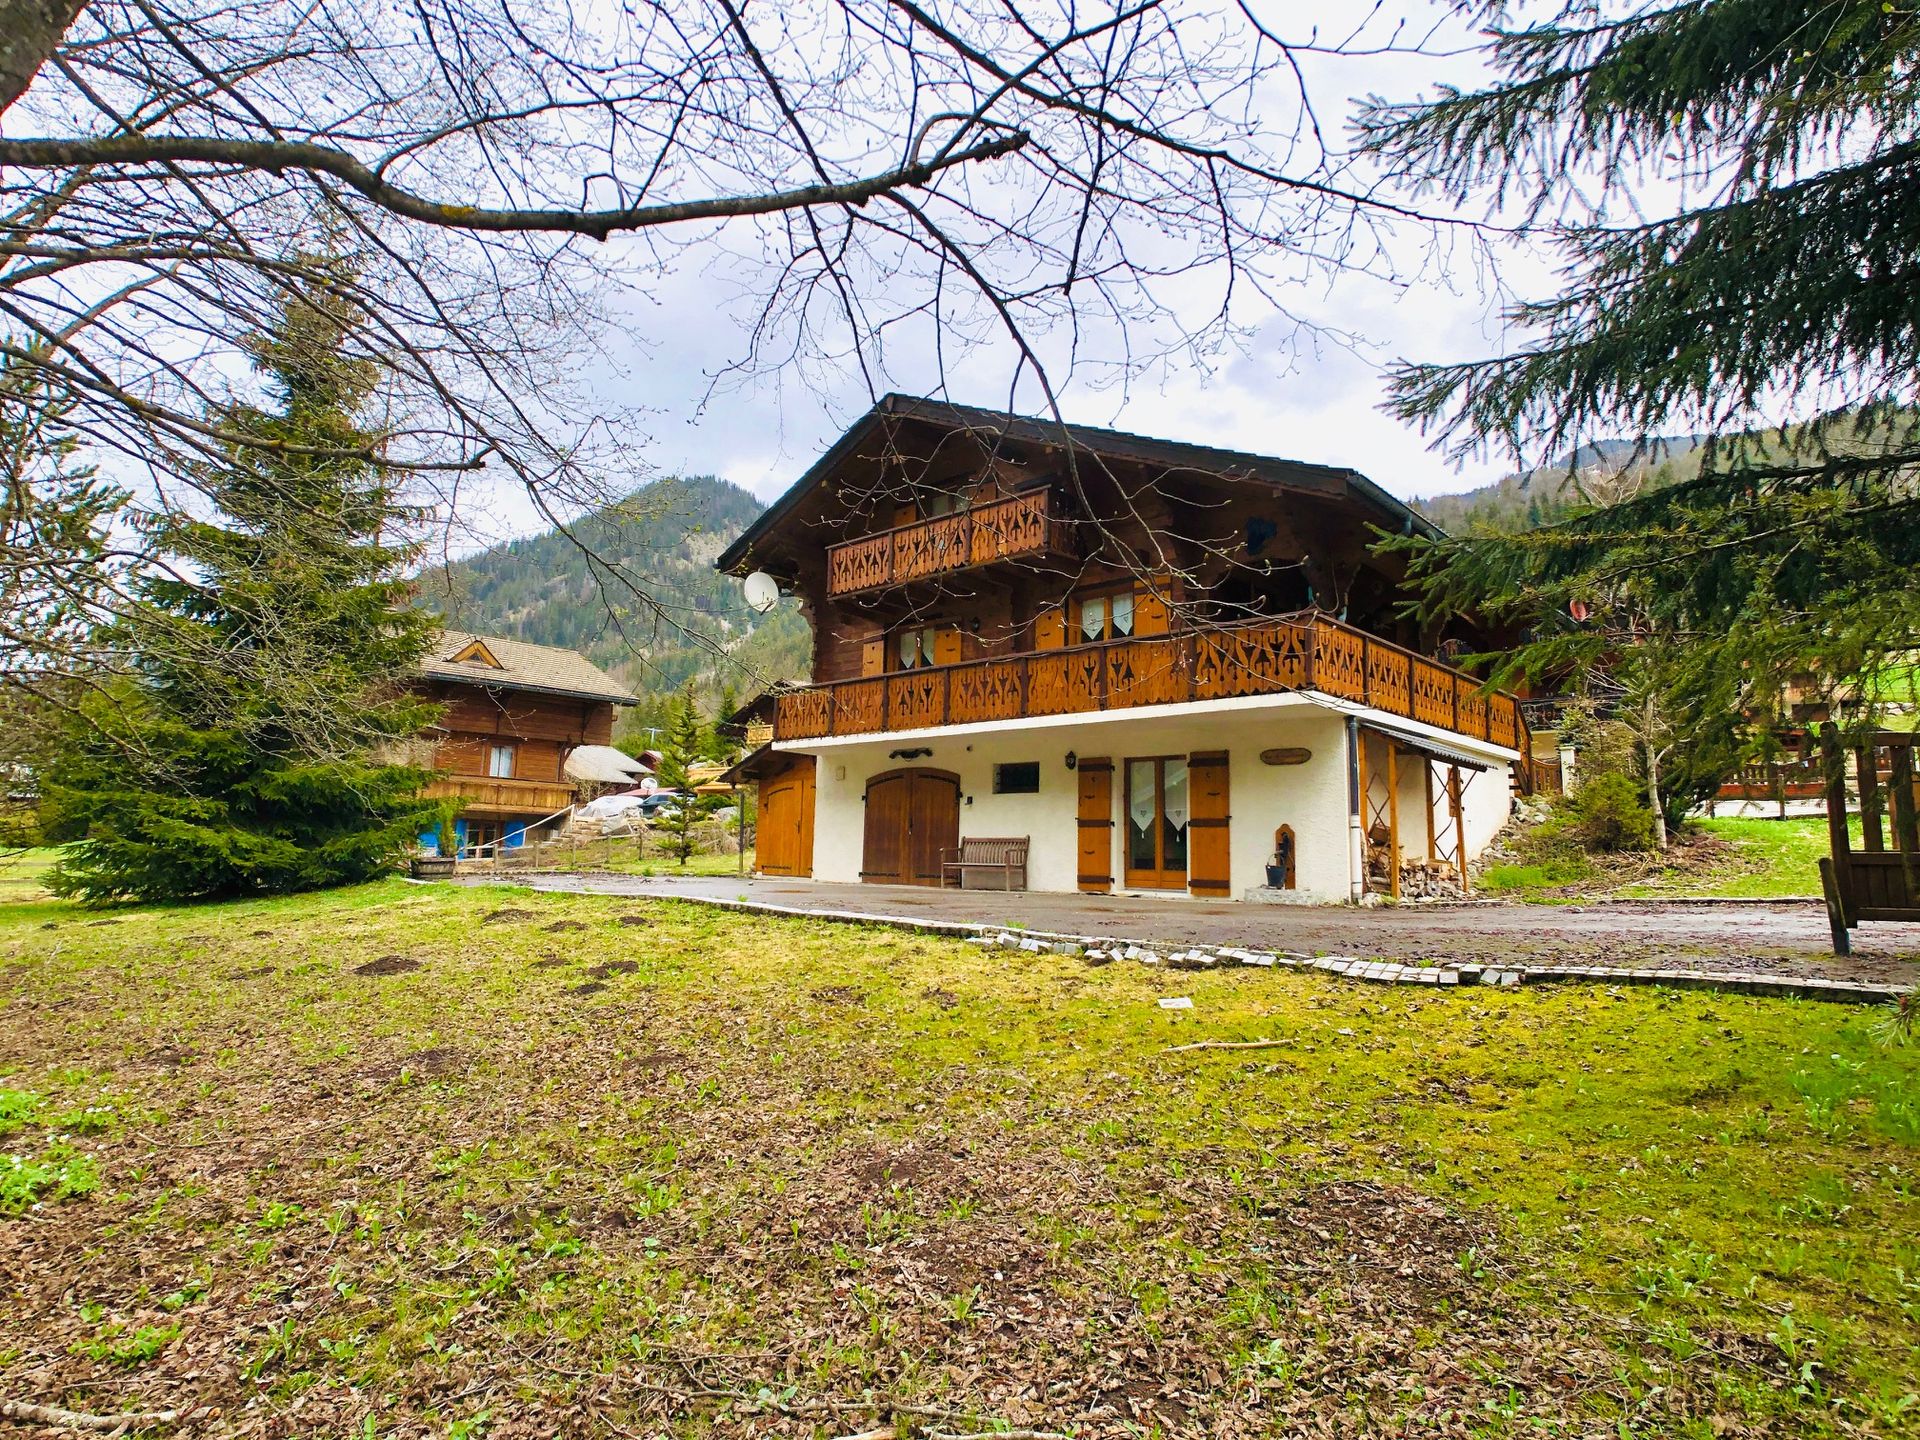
(487, 795)
(1021, 527)
(1259, 657)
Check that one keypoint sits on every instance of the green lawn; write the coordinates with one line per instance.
(423, 1161)
(1748, 859)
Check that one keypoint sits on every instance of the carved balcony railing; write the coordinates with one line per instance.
(1258, 657)
(1021, 527)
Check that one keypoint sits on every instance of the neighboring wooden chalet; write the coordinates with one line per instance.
(1168, 667)
(512, 716)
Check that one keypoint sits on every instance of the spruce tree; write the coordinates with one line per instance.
(270, 651)
(679, 748)
(1734, 189)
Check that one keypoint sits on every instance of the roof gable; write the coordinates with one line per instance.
(1115, 444)
(502, 664)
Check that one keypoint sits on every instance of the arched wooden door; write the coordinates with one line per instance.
(785, 833)
(912, 815)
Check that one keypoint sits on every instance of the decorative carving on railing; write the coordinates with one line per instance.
(1389, 678)
(985, 690)
(1257, 658)
(914, 700)
(1473, 712)
(1016, 526)
(1339, 661)
(860, 564)
(804, 714)
(1065, 683)
(1149, 672)
(1250, 660)
(1433, 694)
(1503, 721)
(1019, 526)
(932, 547)
(862, 709)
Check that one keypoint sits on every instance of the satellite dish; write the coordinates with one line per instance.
(763, 592)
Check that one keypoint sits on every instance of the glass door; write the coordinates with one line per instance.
(1157, 823)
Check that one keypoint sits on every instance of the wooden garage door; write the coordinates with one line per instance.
(785, 832)
(912, 815)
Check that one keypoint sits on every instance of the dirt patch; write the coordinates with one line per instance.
(609, 968)
(169, 1057)
(560, 926)
(502, 917)
(945, 999)
(106, 922)
(633, 920)
(387, 965)
(431, 1063)
(552, 962)
(839, 995)
(592, 987)
(263, 934)
(655, 1062)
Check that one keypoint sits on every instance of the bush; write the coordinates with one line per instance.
(1608, 813)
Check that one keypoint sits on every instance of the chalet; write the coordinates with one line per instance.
(1168, 668)
(521, 728)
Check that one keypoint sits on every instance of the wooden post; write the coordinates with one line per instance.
(1393, 818)
(1835, 765)
(1836, 911)
(1459, 824)
(1864, 762)
(1906, 826)
(1426, 774)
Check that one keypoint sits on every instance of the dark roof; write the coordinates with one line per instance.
(542, 669)
(1145, 449)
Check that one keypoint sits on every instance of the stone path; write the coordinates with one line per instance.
(1764, 942)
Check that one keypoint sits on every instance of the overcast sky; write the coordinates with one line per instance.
(1284, 393)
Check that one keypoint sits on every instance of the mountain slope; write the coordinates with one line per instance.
(635, 590)
(1533, 497)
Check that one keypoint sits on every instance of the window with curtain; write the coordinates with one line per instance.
(500, 762)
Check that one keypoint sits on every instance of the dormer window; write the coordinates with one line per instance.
(475, 652)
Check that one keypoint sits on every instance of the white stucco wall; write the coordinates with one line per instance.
(1311, 797)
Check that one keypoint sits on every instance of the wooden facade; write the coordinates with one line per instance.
(510, 715)
(961, 567)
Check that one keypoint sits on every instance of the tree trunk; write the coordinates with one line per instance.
(29, 31)
(1652, 753)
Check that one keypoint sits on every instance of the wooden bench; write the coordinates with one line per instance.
(1002, 858)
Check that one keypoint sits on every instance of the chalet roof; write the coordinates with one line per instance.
(1334, 480)
(502, 664)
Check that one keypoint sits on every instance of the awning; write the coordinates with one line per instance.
(603, 765)
(1433, 750)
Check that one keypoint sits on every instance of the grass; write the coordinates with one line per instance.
(1746, 859)
(436, 1161)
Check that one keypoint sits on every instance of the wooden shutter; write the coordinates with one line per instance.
(1096, 825)
(946, 645)
(1049, 629)
(1150, 613)
(873, 656)
(1209, 869)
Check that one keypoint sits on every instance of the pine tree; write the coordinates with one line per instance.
(1768, 286)
(270, 652)
(679, 748)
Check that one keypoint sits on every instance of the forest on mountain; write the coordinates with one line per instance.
(634, 589)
